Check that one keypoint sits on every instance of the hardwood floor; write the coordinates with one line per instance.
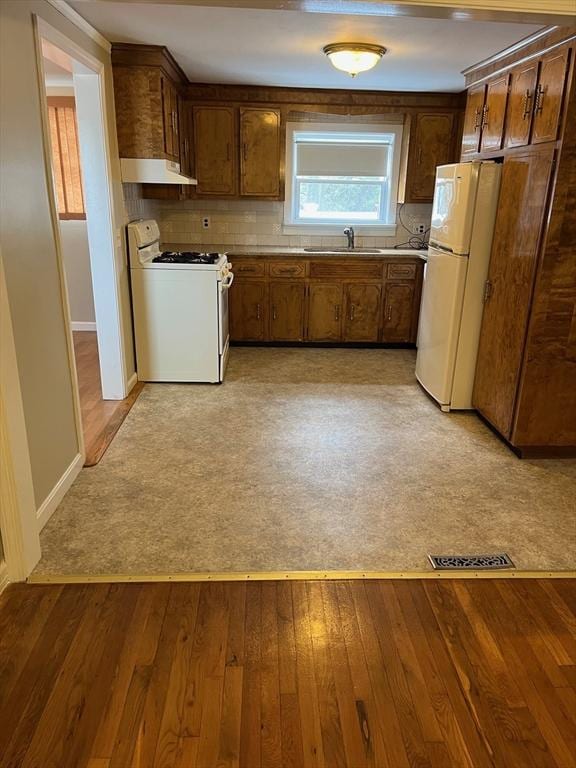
(387, 674)
(101, 419)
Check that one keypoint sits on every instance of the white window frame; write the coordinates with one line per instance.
(300, 227)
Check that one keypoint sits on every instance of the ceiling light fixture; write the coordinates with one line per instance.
(354, 57)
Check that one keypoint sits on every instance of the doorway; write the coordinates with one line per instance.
(79, 162)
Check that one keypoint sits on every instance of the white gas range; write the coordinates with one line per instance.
(180, 309)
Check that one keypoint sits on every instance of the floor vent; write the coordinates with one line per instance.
(470, 562)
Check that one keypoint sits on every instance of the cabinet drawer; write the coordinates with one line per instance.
(288, 269)
(364, 270)
(248, 268)
(401, 271)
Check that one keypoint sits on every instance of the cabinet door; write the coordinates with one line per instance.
(325, 312)
(521, 210)
(287, 302)
(493, 114)
(362, 312)
(170, 114)
(430, 146)
(248, 315)
(260, 152)
(521, 105)
(186, 140)
(398, 312)
(473, 120)
(215, 150)
(549, 92)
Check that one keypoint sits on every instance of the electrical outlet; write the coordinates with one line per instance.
(206, 222)
(418, 229)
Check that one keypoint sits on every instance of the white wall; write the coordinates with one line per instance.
(28, 242)
(76, 255)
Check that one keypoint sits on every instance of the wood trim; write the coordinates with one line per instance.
(48, 506)
(4, 578)
(531, 47)
(137, 55)
(115, 578)
(295, 97)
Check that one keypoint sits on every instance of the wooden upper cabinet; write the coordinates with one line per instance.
(215, 150)
(398, 312)
(325, 312)
(521, 104)
(473, 120)
(548, 99)
(170, 119)
(431, 145)
(521, 211)
(362, 312)
(494, 114)
(287, 303)
(248, 310)
(259, 152)
(186, 139)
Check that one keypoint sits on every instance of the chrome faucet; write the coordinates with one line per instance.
(349, 232)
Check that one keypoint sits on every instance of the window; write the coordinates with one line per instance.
(66, 157)
(341, 174)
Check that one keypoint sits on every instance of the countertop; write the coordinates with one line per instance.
(283, 251)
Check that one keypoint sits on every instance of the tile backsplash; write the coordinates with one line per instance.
(252, 222)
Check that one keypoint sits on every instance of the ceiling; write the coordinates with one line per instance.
(275, 47)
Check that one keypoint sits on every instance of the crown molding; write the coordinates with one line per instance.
(79, 21)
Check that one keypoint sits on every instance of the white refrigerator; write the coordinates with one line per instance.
(463, 215)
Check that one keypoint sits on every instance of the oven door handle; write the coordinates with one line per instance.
(224, 286)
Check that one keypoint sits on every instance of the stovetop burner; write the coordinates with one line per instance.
(186, 257)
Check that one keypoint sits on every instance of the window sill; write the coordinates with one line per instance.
(332, 230)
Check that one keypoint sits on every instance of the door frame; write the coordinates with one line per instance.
(93, 121)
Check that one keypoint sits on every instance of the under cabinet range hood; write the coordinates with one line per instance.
(152, 171)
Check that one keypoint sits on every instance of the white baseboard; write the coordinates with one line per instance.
(80, 325)
(132, 381)
(4, 580)
(57, 493)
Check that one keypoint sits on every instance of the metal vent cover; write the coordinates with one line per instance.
(471, 562)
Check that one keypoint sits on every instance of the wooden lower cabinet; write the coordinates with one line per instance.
(362, 312)
(398, 312)
(287, 308)
(249, 310)
(325, 302)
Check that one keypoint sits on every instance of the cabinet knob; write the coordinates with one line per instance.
(352, 312)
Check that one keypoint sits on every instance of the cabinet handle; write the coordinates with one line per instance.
(540, 93)
(352, 312)
(244, 151)
(337, 312)
(487, 290)
(484, 123)
(527, 102)
(389, 316)
(257, 311)
(273, 312)
(477, 121)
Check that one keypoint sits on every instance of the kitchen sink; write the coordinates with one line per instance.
(318, 249)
